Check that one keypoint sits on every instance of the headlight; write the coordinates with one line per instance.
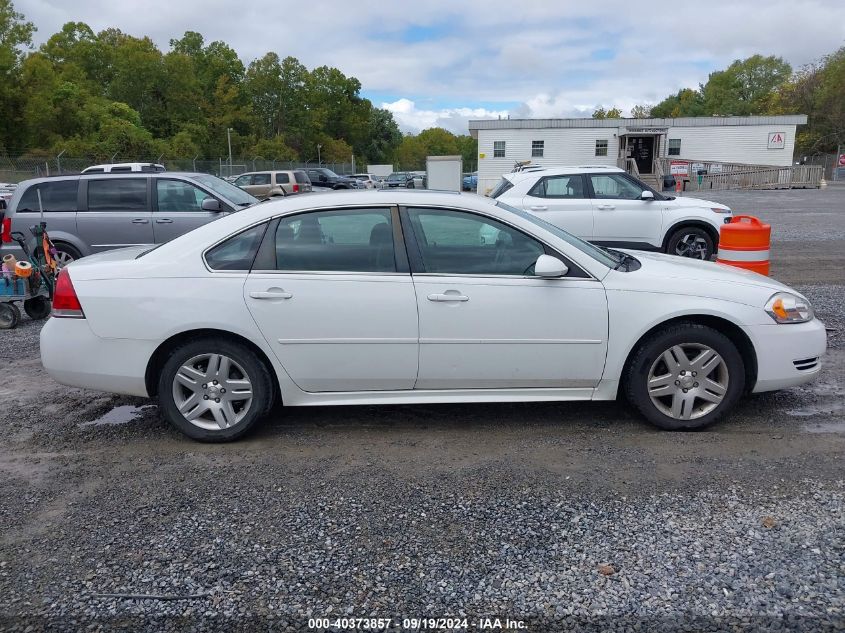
(784, 307)
(720, 210)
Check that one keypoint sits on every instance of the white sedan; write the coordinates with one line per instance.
(417, 297)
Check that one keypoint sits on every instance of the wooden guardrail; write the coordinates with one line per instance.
(741, 176)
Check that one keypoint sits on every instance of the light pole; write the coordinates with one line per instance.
(319, 161)
(229, 138)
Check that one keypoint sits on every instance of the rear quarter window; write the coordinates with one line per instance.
(60, 195)
(238, 252)
(502, 187)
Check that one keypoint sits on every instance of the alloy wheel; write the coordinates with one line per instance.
(688, 381)
(692, 245)
(63, 259)
(212, 391)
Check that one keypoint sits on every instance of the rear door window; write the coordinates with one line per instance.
(282, 178)
(561, 187)
(59, 195)
(118, 194)
(261, 179)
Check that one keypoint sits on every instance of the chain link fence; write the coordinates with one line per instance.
(17, 168)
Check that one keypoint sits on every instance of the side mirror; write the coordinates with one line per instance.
(550, 267)
(211, 204)
(646, 195)
(323, 178)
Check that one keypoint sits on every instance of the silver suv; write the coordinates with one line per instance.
(90, 213)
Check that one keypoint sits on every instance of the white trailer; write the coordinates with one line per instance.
(444, 173)
(382, 171)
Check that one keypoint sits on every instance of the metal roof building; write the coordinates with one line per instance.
(636, 143)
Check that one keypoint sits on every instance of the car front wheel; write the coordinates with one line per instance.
(691, 241)
(685, 377)
(214, 391)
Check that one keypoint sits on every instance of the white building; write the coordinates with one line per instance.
(649, 143)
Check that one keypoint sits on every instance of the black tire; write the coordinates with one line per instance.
(244, 359)
(649, 353)
(37, 308)
(691, 241)
(10, 316)
(71, 253)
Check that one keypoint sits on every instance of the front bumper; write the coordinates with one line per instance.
(73, 355)
(787, 355)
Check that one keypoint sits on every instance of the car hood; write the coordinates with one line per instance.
(681, 275)
(684, 201)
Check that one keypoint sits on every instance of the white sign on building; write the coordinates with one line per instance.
(777, 140)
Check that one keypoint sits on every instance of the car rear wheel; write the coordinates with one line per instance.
(685, 377)
(691, 241)
(65, 254)
(214, 391)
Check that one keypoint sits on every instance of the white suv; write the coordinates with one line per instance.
(609, 207)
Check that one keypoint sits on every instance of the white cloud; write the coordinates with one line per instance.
(412, 119)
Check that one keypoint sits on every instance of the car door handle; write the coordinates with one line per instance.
(164, 221)
(140, 221)
(607, 207)
(271, 294)
(539, 207)
(447, 297)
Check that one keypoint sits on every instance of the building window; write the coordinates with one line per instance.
(498, 149)
(674, 147)
(601, 147)
(537, 149)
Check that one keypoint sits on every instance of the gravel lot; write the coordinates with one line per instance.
(560, 516)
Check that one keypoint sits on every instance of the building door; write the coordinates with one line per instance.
(642, 151)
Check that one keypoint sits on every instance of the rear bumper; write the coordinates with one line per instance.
(787, 355)
(73, 355)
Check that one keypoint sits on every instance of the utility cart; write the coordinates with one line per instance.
(30, 281)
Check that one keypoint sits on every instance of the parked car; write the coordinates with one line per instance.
(269, 184)
(7, 190)
(470, 181)
(397, 179)
(393, 297)
(123, 167)
(417, 180)
(607, 206)
(90, 213)
(369, 181)
(326, 179)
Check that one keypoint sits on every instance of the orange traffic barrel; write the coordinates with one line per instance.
(744, 243)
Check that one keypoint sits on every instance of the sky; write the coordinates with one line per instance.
(442, 62)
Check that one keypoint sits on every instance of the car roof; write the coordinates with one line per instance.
(121, 174)
(536, 171)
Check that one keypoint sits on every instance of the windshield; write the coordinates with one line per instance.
(396, 176)
(227, 190)
(595, 252)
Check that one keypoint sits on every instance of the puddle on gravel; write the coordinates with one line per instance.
(119, 415)
(825, 427)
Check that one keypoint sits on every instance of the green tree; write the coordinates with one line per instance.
(612, 113)
(641, 111)
(745, 87)
(687, 102)
(15, 37)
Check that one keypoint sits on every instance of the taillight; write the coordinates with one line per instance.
(65, 302)
(6, 232)
(296, 188)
